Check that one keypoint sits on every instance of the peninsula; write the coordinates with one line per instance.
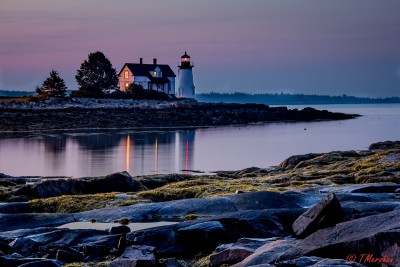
(85, 113)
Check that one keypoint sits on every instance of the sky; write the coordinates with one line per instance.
(331, 47)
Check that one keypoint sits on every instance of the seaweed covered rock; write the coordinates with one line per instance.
(117, 182)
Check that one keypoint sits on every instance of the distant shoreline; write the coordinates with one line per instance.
(292, 99)
(85, 114)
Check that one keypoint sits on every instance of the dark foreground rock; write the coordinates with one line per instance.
(200, 206)
(117, 182)
(204, 235)
(10, 222)
(378, 235)
(326, 213)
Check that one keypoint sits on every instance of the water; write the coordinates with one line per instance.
(80, 154)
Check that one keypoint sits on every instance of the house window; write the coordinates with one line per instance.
(126, 74)
(155, 73)
(126, 86)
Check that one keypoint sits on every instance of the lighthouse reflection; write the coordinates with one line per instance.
(157, 152)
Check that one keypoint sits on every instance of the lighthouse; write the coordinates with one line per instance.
(185, 78)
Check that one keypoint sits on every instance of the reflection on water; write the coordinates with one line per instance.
(92, 154)
(81, 154)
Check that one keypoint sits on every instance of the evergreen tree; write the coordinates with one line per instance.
(96, 76)
(54, 85)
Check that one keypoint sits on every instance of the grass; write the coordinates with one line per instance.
(77, 203)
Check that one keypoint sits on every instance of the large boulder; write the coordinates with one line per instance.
(236, 252)
(326, 213)
(268, 253)
(384, 145)
(208, 235)
(142, 256)
(117, 182)
(377, 235)
(292, 161)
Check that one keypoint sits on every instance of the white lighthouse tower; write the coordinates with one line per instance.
(185, 78)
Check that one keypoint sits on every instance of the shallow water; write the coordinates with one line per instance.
(105, 226)
(79, 154)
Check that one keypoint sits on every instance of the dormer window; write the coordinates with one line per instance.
(154, 73)
(126, 74)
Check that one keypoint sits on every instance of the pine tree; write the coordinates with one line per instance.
(53, 86)
(96, 76)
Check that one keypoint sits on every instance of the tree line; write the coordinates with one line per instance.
(291, 99)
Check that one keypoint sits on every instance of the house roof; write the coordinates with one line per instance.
(146, 69)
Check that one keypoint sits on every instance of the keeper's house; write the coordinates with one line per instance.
(151, 76)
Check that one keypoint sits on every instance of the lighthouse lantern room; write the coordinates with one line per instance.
(186, 88)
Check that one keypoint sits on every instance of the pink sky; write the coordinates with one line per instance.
(300, 46)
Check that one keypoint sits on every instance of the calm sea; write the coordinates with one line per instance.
(81, 154)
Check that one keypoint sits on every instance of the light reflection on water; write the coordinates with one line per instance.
(81, 154)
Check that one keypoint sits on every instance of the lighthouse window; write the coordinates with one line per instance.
(126, 74)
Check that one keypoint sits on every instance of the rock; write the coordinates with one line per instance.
(328, 212)
(42, 263)
(117, 182)
(5, 248)
(200, 206)
(357, 237)
(377, 188)
(17, 207)
(230, 256)
(292, 161)
(119, 230)
(10, 222)
(24, 245)
(336, 262)
(261, 200)
(93, 251)
(316, 262)
(384, 145)
(236, 252)
(67, 237)
(9, 236)
(268, 253)
(136, 256)
(256, 223)
(355, 210)
(302, 199)
(207, 236)
(300, 262)
(68, 256)
(7, 261)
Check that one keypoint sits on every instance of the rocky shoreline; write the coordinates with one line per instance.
(81, 113)
(340, 208)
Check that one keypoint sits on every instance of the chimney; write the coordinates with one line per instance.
(154, 61)
(141, 61)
